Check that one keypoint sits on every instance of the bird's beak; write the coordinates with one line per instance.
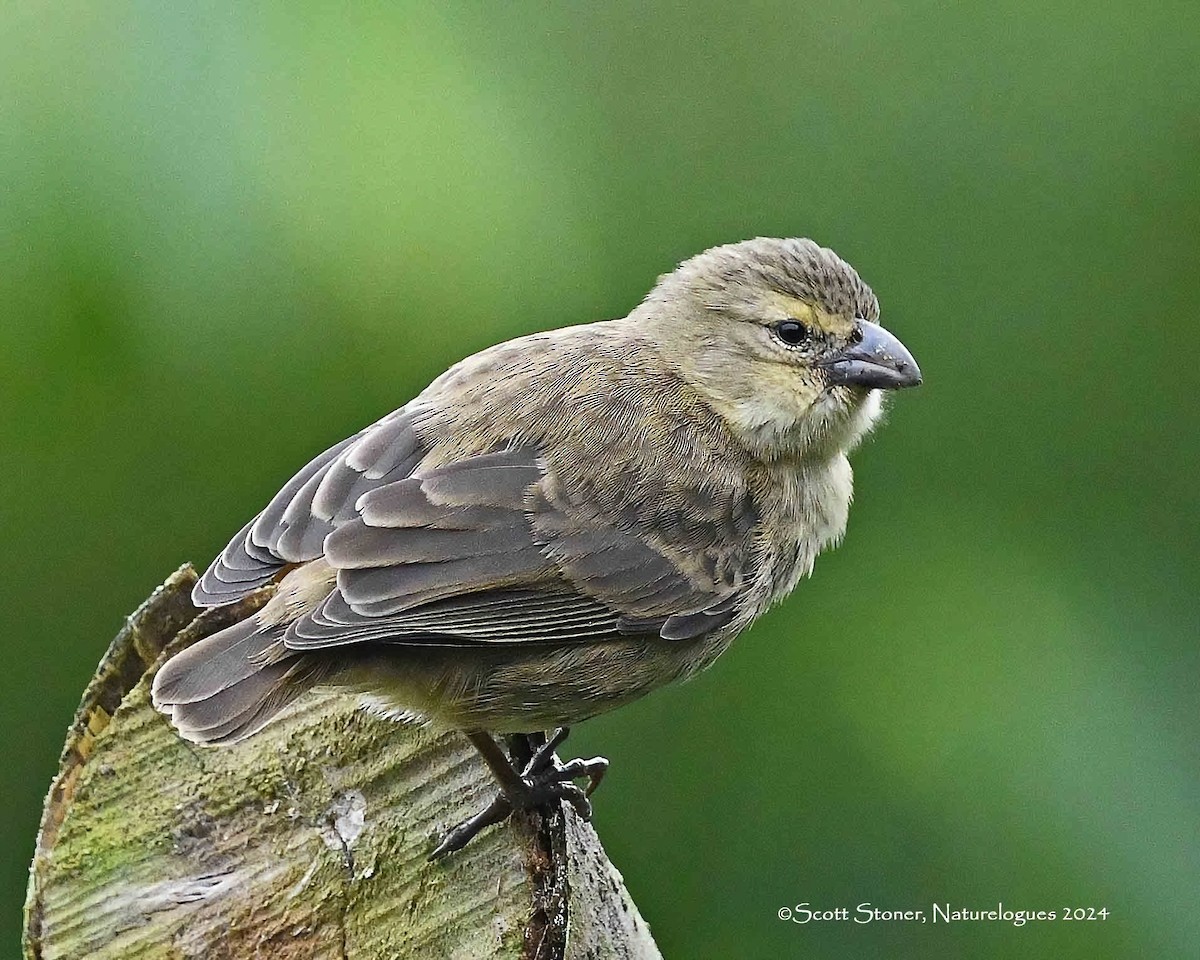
(877, 360)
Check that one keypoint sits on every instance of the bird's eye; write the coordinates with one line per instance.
(791, 332)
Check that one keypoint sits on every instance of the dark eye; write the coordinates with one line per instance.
(791, 332)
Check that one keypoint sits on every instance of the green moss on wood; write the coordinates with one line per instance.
(308, 840)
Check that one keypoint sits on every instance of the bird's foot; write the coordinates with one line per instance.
(544, 780)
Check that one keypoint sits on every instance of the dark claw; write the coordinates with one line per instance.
(593, 769)
(543, 782)
(495, 812)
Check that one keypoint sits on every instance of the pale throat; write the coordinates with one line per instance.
(779, 420)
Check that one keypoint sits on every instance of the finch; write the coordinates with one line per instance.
(561, 523)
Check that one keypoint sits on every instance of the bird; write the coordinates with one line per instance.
(561, 523)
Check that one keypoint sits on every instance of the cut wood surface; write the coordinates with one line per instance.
(308, 840)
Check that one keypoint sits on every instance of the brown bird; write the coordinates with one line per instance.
(561, 523)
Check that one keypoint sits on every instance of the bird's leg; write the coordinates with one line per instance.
(543, 780)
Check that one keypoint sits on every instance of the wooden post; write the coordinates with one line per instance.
(308, 840)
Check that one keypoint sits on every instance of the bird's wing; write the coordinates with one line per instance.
(294, 525)
(487, 549)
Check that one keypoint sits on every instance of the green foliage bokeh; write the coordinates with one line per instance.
(232, 234)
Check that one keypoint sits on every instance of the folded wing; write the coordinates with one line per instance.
(485, 549)
(480, 552)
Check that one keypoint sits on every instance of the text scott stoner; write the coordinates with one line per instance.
(804, 912)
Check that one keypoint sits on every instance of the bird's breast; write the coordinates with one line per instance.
(804, 509)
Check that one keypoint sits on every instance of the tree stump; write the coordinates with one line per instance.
(308, 840)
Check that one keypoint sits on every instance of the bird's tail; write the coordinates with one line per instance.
(230, 685)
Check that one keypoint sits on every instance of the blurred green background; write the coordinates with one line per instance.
(233, 234)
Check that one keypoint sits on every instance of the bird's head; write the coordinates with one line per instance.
(782, 338)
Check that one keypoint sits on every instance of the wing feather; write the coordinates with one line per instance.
(484, 549)
(514, 616)
(322, 495)
(478, 551)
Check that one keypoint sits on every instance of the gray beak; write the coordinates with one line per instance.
(877, 360)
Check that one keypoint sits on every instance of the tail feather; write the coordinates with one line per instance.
(234, 701)
(228, 686)
(215, 663)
